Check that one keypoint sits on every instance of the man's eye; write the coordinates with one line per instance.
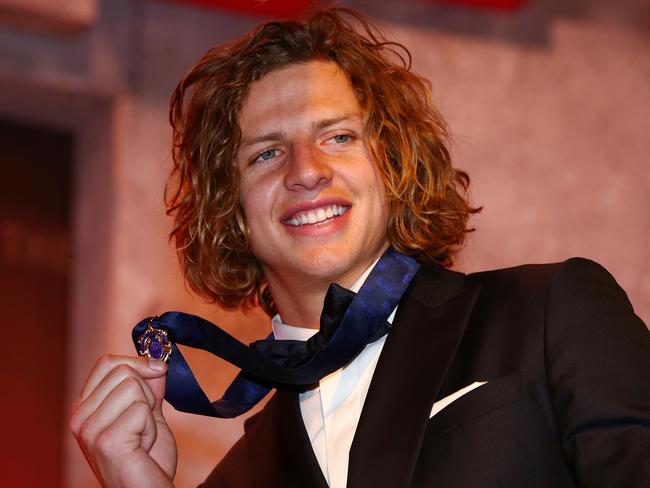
(341, 138)
(267, 155)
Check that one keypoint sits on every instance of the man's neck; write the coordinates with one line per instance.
(303, 312)
(304, 309)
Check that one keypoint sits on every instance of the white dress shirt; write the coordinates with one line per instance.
(331, 411)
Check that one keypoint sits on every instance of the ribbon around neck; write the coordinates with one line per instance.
(289, 364)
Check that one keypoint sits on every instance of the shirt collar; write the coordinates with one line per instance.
(282, 331)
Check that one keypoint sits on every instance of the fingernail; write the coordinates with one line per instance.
(157, 365)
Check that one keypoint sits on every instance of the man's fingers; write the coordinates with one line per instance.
(123, 379)
(91, 418)
(119, 445)
(146, 368)
(114, 377)
(116, 421)
(126, 380)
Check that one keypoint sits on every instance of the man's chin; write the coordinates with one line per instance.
(334, 268)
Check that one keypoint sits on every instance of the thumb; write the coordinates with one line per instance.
(158, 383)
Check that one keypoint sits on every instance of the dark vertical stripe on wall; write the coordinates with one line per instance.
(35, 203)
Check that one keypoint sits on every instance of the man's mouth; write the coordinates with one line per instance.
(316, 215)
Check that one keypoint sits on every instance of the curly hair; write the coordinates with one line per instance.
(405, 135)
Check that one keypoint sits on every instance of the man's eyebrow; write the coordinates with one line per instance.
(324, 123)
(270, 137)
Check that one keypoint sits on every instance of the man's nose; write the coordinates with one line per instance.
(308, 168)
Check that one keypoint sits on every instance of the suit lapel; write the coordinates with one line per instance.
(280, 454)
(429, 325)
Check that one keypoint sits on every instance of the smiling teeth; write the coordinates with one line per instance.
(317, 215)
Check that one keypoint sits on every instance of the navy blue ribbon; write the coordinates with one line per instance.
(272, 363)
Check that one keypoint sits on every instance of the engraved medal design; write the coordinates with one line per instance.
(154, 343)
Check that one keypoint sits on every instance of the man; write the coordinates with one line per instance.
(302, 153)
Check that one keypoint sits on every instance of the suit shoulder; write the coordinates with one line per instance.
(584, 286)
(522, 277)
(577, 288)
(573, 269)
(576, 280)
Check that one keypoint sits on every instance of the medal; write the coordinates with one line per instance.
(154, 343)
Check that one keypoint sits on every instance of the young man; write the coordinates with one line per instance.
(308, 154)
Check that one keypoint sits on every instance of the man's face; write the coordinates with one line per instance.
(313, 199)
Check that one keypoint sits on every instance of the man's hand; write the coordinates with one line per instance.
(119, 425)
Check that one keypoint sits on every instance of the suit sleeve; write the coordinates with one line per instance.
(597, 354)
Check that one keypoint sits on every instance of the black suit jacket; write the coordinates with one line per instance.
(567, 401)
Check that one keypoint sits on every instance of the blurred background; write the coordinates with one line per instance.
(548, 101)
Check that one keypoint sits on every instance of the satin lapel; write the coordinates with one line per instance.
(429, 325)
(280, 454)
